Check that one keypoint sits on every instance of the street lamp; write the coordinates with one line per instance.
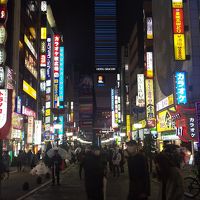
(57, 126)
(137, 126)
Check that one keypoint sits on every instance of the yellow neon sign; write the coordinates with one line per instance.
(29, 90)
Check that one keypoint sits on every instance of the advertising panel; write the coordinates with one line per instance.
(128, 125)
(56, 68)
(48, 67)
(197, 108)
(61, 75)
(177, 3)
(165, 122)
(149, 72)
(100, 80)
(150, 111)
(179, 47)
(3, 106)
(178, 22)
(149, 28)
(30, 130)
(141, 93)
(181, 87)
(29, 90)
(164, 103)
(17, 121)
(28, 112)
(30, 46)
(38, 132)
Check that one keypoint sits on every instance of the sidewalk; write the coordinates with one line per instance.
(12, 188)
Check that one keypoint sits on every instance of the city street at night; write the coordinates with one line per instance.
(109, 88)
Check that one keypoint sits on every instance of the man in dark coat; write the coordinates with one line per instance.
(56, 161)
(94, 174)
(139, 183)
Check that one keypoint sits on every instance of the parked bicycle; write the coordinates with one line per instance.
(192, 185)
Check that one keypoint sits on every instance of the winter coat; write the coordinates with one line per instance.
(139, 181)
(94, 173)
(174, 189)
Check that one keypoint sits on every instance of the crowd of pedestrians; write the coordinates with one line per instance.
(98, 164)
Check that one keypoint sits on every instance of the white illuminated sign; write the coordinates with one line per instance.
(3, 106)
(141, 93)
(38, 132)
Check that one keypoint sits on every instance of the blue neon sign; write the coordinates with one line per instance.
(61, 75)
(181, 88)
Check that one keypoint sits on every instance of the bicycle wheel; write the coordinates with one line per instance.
(192, 187)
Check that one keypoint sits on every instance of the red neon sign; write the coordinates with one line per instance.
(178, 21)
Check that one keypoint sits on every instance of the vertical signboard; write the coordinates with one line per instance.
(3, 106)
(30, 130)
(149, 28)
(48, 103)
(181, 87)
(197, 108)
(141, 94)
(61, 75)
(56, 63)
(178, 30)
(150, 110)
(38, 132)
(128, 126)
(149, 69)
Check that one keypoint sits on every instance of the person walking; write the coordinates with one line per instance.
(20, 158)
(116, 159)
(139, 183)
(94, 170)
(56, 161)
(6, 162)
(170, 178)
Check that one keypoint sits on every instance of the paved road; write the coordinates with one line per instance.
(72, 188)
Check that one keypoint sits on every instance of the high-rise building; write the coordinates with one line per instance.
(105, 35)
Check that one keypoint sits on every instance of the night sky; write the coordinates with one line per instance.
(74, 18)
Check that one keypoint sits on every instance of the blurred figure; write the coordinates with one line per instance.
(94, 174)
(172, 186)
(116, 159)
(122, 162)
(56, 161)
(20, 158)
(6, 163)
(139, 182)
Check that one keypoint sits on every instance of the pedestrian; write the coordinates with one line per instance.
(94, 170)
(139, 183)
(116, 159)
(122, 162)
(56, 162)
(20, 161)
(6, 162)
(171, 180)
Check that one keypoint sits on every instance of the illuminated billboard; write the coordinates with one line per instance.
(177, 3)
(178, 30)
(3, 106)
(178, 23)
(56, 62)
(141, 93)
(181, 87)
(61, 75)
(149, 69)
(179, 47)
(149, 28)
(29, 90)
(165, 122)
(150, 110)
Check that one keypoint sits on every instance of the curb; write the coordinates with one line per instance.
(43, 185)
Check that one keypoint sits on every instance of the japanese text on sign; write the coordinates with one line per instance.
(181, 93)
